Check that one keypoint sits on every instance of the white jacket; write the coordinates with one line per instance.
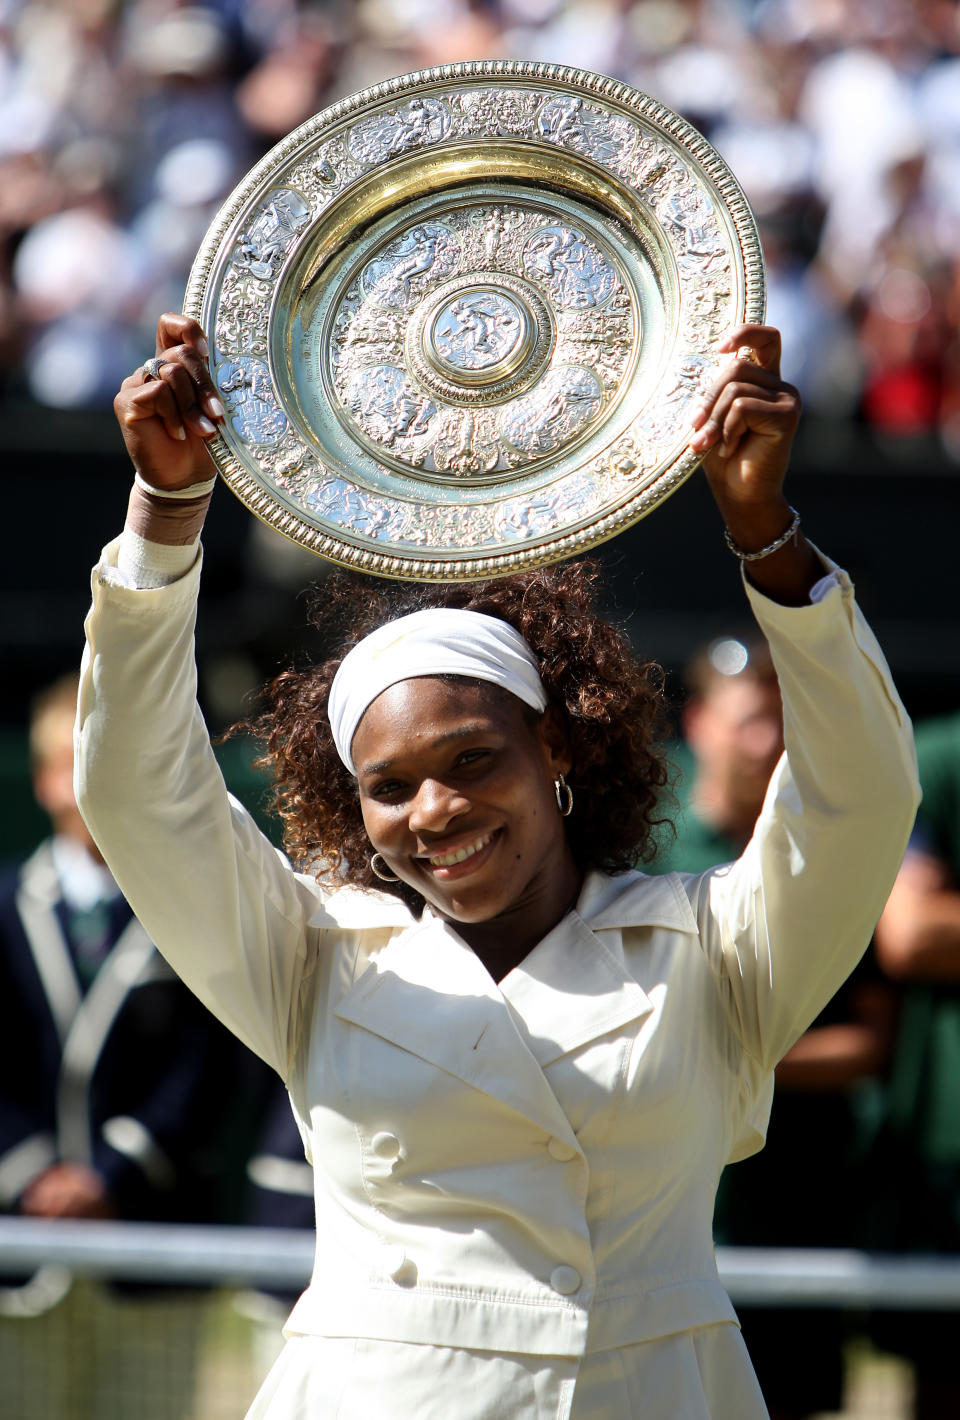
(525, 1168)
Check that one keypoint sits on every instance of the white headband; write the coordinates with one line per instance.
(438, 641)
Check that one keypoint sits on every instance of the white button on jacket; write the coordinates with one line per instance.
(565, 1279)
(385, 1146)
(521, 1174)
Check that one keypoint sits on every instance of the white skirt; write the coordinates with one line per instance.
(697, 1375)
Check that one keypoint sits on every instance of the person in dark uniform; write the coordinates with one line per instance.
(109, 1070)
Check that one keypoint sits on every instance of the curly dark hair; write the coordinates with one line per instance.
(611, 706)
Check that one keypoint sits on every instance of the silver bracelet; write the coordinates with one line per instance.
(781, 541)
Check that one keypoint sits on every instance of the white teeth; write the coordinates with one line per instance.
(447, 860)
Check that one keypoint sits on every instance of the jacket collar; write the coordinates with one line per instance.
(427, 992)
(635, 900)
(430, 994)
(357, 909)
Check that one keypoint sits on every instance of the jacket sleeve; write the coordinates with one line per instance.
(785, 925)
(222, 904)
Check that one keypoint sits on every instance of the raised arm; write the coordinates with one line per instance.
(786, 923)
(221, 904)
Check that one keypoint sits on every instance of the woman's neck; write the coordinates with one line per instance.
(502, 942)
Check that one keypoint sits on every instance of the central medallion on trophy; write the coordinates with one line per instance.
(479, 336)
(480, 339)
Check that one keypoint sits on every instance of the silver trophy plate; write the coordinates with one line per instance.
(459, 322)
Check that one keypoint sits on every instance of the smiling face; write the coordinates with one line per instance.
(456, 791)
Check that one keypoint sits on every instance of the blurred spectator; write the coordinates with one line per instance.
(801, 1190)
(917, 1169)
(732, 738)
(110, 1076)
(289, 83)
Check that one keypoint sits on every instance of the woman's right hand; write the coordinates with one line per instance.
(166, 422)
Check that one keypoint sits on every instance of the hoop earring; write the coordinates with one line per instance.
(384, 877)
(564, 796)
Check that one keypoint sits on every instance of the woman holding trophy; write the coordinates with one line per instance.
(488, 329)
(518, 1066)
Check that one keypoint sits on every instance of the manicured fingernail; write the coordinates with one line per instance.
(214, 407)
(202, 347)
(179, 432)
(700, 440)
(205, 425)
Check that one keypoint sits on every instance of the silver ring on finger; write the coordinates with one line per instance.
(150, 369)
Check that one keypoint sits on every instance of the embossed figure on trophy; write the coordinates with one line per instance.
(419, 261)
(386, 406)
(571, 123)
(475, 332)
(399, 273)
(290, 461)
(552, 414)
(250, 399)
(523, 519)
(420, 122)
(493, 230)
(262, 248)
(549, 249)
(353, 507)
(478, 326)
(416, 124)
(688, 383)
(260, 256)
(413, 126)
(569, 405)
(560, 120)
(466, 444)
(693, 227)
(573, 269)
(464, 451)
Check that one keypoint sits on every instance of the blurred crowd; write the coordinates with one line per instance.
(123, 127)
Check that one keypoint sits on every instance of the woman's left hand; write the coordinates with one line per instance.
(747, 420)
(745, 426)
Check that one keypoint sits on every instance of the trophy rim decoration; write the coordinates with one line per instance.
(460, 320)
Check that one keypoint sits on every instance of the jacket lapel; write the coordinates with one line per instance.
(572, 988)
(127, 965)
(37, 896)
(428, 993)
(576, 984)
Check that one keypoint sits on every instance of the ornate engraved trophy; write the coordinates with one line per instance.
(459, 321)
